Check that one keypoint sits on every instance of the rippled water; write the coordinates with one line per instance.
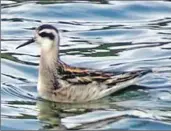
(103, 35)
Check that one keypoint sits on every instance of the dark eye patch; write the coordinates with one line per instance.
(49, 35)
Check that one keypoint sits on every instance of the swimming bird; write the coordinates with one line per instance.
(60, 82)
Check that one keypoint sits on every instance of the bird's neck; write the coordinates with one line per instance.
(47, 69)
(49, 58)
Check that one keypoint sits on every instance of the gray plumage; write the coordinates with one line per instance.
(60, 82)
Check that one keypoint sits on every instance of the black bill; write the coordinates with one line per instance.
(26, 43)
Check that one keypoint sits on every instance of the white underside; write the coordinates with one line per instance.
(76, 94)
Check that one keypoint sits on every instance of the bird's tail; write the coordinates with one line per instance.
(141, 73)
(124, 80)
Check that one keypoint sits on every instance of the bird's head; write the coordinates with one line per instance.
(47, 36)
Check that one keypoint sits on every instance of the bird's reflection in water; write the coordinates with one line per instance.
(51, 113)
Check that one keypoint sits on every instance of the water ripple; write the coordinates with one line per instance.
(105, 35)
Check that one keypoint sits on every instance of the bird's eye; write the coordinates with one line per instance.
(48, 35)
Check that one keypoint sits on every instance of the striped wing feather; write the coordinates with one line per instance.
(76, 75)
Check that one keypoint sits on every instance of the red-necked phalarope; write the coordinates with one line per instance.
(60, 82)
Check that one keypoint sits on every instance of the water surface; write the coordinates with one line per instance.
(106, 35)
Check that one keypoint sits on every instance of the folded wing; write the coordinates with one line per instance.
(76, 75)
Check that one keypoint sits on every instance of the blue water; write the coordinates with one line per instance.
(106, 35)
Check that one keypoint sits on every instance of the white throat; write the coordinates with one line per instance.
(47, 44)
